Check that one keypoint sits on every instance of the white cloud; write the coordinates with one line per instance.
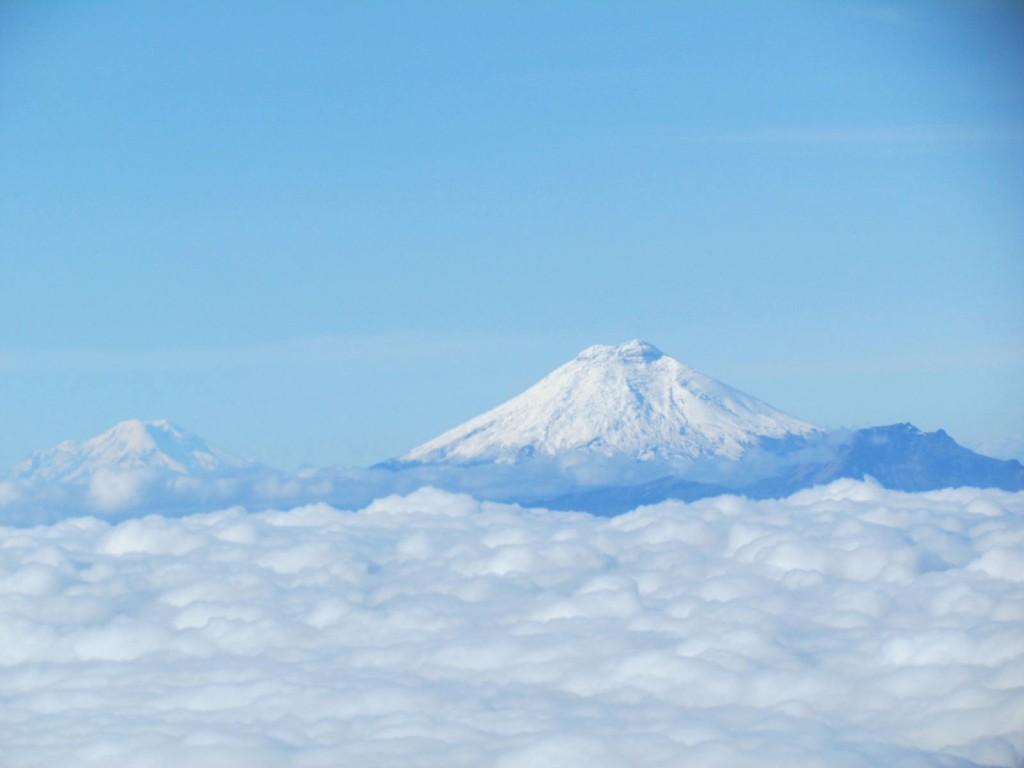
(848, 625)
(1007, 446)
(8, 493)
(111, 489)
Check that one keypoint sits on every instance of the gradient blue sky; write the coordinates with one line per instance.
(323, 232)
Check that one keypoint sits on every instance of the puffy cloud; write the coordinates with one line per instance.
(844, 626)
(111, 489)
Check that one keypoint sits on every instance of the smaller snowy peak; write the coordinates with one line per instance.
(629, 400)
(132, 445)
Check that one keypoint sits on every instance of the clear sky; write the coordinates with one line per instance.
(323, 232)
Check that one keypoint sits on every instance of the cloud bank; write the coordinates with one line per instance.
(844, 626)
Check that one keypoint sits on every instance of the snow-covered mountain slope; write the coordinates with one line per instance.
(134, 445)
(630, 401)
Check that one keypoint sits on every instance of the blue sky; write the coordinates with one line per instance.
(321, 233)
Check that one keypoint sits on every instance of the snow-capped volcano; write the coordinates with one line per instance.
(628, 400)
(133, 445)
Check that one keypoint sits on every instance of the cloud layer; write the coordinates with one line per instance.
(845, 626)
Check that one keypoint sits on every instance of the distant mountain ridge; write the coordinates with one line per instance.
(903, 458)
(612, 429)
(899, 457)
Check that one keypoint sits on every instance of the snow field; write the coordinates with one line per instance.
(845, 626)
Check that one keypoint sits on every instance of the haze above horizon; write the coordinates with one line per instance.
(324, 233)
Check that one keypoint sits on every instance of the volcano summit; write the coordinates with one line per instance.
(630, 401)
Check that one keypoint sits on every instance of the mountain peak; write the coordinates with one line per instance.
(636, 351)
(629, 400)
(129, 445)
(139, 436)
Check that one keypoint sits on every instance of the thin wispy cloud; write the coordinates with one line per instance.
(885, 136)
(992, 357)
(302, 351)
(889, 14)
